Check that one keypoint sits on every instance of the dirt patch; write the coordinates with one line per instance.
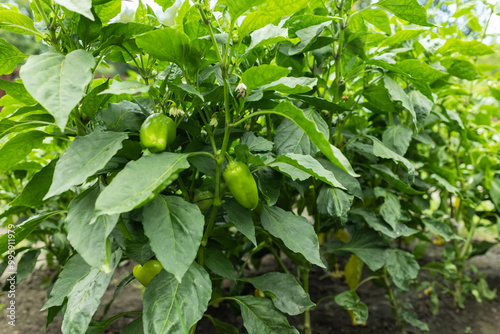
(326, 318)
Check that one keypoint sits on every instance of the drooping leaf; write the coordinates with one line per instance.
(216, 261)
(409, 10)
(261, 317)
(84, 156)
(241, 218)
(17, 22)
(17, 148)
(335, 203)
(262, 75)
(78, 6)
(171, 306)
(286, 293)
(402, 267)
(133, 186)
(10, 56)
(295, 232)
(57, 81)
(174, 228)
(350, 301)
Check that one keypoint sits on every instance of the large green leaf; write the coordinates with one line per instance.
(309, 165)
(270, 34)
(87, 234)
(461, 68)
(397, 138)
(16, 149)
(83, 158)
(57, 81)
(398, 94)
(401, 36)
(78, 6)
(37, 188)
(350, 183)
(174, 228)
(22, 230)
(350, 301)
(262, 75)
(288, 110)
(241, 218)
(466, 48)
(17, 22)
(269, 12)
(238, 7)
(123, 116)
(130, 87)
(140, 181)
(335, 203)
(261, 317)
(365, 244)
(402, 267)
(165, 44)
(394, 180)
(173, 307)
(286, 293)
(495, 193)
(295, 232)
(400, 229)
(409, 10)
(85, 297)
(378, 18)
(420, 70)
(390, 210)
(218, 262)
(10, 56)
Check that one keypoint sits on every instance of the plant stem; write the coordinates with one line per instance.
(393, 301)
(277, 256)
(338, 75)
(307, 313)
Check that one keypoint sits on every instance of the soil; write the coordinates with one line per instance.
(326, 318)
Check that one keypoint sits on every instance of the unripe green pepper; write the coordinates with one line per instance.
(147, 272)
(241, 183)
(157, 132)
(204, 199)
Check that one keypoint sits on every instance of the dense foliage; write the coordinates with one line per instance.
(334, 135)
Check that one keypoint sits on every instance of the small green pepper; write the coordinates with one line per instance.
(241, 183)
(147, 272)
(157, 132)
(204, 199)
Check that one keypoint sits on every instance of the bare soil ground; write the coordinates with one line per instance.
(326, 318)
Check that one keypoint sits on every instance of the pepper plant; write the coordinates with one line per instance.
(315, 131)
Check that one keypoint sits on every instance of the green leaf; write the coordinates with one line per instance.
(335, 203)
(241, 218)
(465, 48)
(402, 267)
(286, 293)
(174, 228)
(269, 12)
(445, 184)
(394, 180)
(378, 18)
(350, 301)
(390, 210)
(291, 85)
(173, 307)
(122, 116)
(140, 181)
(83, 158)
(295, 232)
(256, 144)
(397, 138)
(398, 94)
(261, 317)
(409, 10)
(85, 297)
(37, 188)
(288, 110)
(238, 7)
(58, 82)
(381, 151)
(78, 6)
(308, 37)
(400, 229)
(378, 96)
(311, 166)
(290, 138)
(440, 228)
(216, 261)
(26, 264)
(17, 22)
(87, 234)
(17, 91)
(135, 327)
(93, 101)
(365, 244)
(23, 230)
(262, 75)
(269, 183)
(10, 56)
(401, 36)
(350, 183)
(270, 34)
(128, 87)
(460, 68)
(165, 44)
(222, 327)
(495, 192)
(17, 148)
(420, 70)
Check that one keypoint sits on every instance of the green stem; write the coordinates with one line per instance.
(338, 74)
(277, 256)
(393, 301)
(124, 230)
(307, 313)
(210, 226)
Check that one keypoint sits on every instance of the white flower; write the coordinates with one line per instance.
(213, 122)
(174, 111)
